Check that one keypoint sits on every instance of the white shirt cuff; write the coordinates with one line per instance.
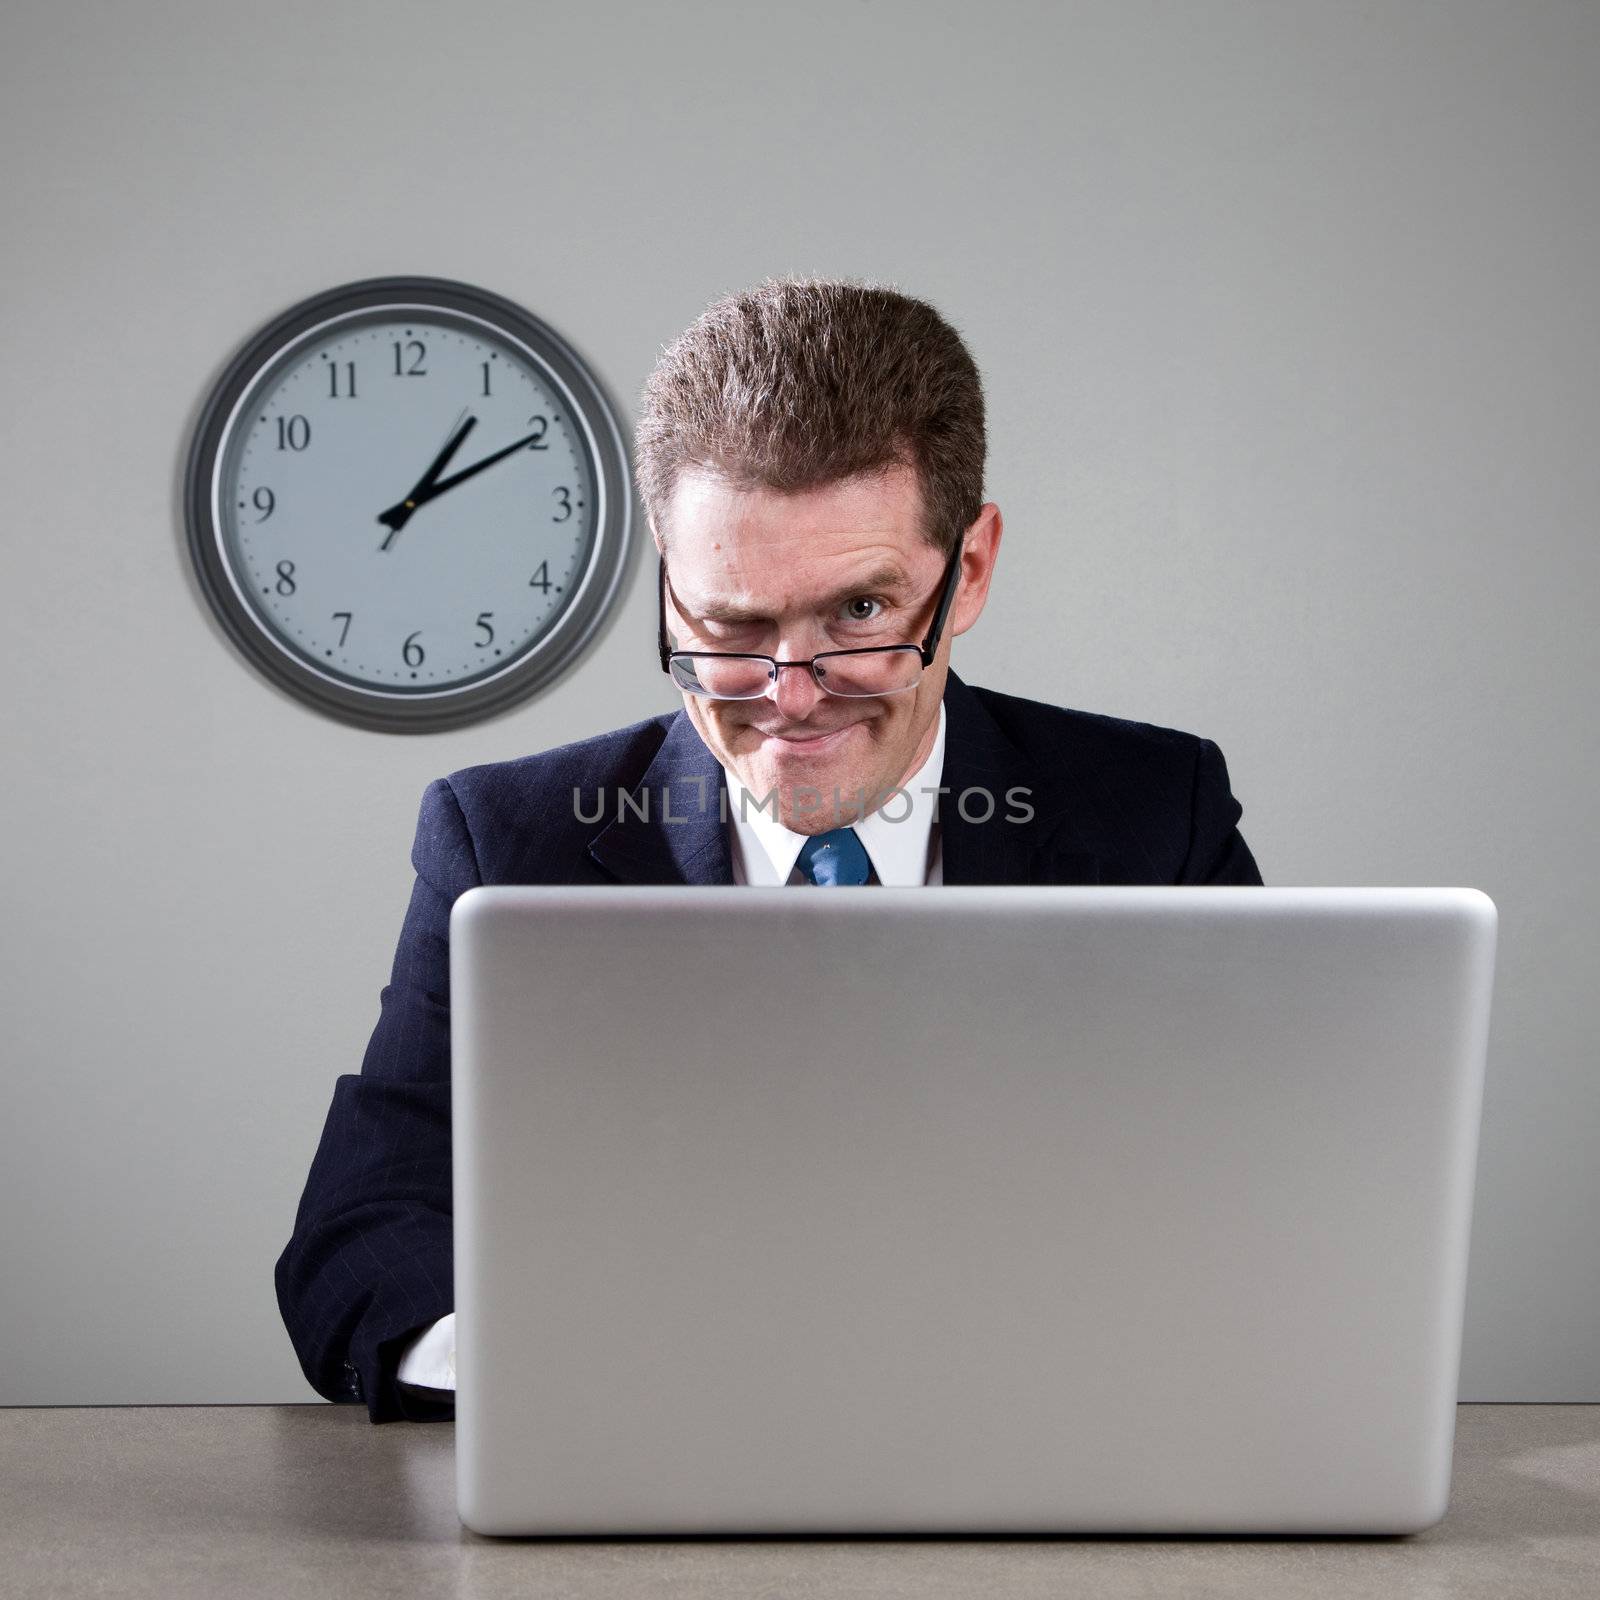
(429, 1361)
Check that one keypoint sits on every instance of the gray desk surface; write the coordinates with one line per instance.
(313, 1500)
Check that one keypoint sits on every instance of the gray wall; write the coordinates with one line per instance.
(1288, 320)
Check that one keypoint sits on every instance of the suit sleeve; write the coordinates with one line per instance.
(1217, 851)
(370, 1260)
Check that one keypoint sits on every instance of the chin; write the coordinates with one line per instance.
(850, 782)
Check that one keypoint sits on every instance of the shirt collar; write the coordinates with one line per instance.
(897, 836)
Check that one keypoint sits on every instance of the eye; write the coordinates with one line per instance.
(854, 612)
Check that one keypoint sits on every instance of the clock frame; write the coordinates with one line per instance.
(594, 433)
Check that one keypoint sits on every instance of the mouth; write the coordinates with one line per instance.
(798, 742)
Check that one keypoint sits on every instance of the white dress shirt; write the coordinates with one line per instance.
(902, 842)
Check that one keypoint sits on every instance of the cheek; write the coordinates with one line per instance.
(724, 721)
(904, 714)
(728, 717)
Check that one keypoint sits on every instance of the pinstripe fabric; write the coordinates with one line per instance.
(369, 1261)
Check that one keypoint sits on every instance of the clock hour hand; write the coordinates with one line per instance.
(396, 517)
(431, 491)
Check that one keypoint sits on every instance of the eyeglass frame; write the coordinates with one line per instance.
(926, 650)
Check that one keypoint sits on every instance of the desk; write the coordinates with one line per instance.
(227, 1501)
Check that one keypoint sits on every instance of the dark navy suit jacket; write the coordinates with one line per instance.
(370, 1260)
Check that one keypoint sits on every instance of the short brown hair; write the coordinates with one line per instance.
(800, 382)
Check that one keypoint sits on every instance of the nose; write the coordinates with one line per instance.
(795, 691)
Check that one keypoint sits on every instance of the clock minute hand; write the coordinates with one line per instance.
(434, 490)
(396, 517)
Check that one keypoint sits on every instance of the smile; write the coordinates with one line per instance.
(791, 744)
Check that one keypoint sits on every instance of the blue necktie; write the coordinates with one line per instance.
(833, 859)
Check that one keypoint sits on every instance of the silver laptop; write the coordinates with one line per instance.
(1049, 1210)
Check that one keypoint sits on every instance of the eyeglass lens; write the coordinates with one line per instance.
(851, 673)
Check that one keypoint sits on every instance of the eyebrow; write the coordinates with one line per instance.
(883, 578)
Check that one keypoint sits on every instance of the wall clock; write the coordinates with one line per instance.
(409, 503)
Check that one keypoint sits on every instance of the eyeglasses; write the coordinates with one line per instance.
(856, 674)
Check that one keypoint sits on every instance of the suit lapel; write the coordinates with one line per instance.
(993, 848)
(670, 829)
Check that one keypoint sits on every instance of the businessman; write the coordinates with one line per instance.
(810, 457)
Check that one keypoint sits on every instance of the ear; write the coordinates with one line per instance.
(656, 537)
(979, 550)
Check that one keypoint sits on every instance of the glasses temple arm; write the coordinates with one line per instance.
(930, 642)
(661, 616)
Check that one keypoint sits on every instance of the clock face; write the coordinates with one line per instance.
(416, 503)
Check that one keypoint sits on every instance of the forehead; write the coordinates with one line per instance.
(762, 548)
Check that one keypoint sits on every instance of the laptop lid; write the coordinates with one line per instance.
(972, 1209)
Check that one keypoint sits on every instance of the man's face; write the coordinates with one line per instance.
(793, 575)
